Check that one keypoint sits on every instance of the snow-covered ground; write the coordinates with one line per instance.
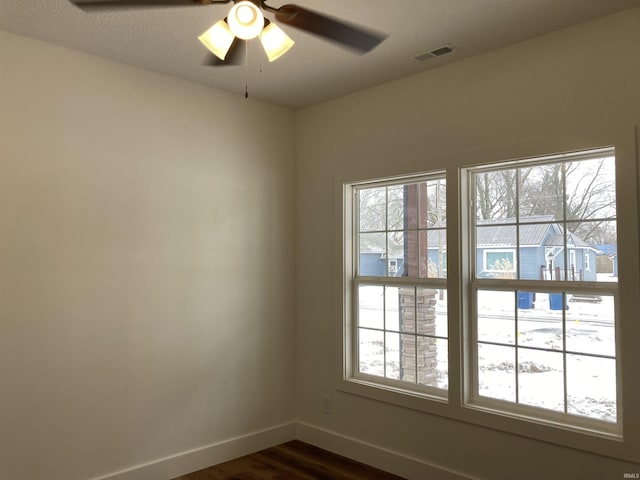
(544, 344)
(588, 331)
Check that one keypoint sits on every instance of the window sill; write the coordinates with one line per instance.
(396, 395)
(555, 432)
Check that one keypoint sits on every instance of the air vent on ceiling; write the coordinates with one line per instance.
(436, 52)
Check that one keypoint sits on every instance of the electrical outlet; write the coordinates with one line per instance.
(326, 404)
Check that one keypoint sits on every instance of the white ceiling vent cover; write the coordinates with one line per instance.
(436, 52)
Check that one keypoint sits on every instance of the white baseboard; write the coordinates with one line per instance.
(382, 458)
(203, 457)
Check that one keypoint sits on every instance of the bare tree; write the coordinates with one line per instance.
(580, 192)
(373, 209)
(497, 193)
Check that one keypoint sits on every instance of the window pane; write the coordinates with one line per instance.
(496, 316)
(433, 211)
(541, 248)
(496, 372)
(591, 189)
(371, 306)
(371, 351)
(411, 200)
(392, 308)
(407, 358)
(595, 251)
(373, 254)
(432, 311)
(433, 362)
(582, 254)
(605, 246)
(495, 195)
(372, 209)
(396, 208)
(537, 223)
(541, 379)
(393, 220)
(433, 255)
(496, 251)
(390, 243)
(590, 324)
(591, 387)
(540, 320)
(392, 355)
(407, 304)
(403, 247)
(541, 193)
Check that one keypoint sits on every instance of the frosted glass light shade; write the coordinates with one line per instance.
(218, 39)
(245, 20)
(275, 42)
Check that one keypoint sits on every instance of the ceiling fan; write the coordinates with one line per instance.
(245, 21)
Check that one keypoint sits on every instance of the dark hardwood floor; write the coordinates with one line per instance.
(293, 460)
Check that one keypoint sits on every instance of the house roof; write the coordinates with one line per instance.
(502, 232)
(608, 249)
(372, 243)
(535, 231)
(573, 240)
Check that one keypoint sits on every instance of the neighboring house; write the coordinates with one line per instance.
(374, 260)
(542, 252)
(380, 254)
(374, 263)
(609, 251)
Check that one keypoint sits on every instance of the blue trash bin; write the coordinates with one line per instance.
(525, 300)
(555, 301)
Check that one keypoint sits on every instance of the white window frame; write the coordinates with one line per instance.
(458, 406)
(565, 287)
(512, 251)
(352, 371)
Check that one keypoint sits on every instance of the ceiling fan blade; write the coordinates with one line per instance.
(133, 4)
(234, 57)
(348, 35)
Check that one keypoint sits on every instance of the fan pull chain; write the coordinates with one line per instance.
(246, 69)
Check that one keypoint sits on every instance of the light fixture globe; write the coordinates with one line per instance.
(218, 39)
(245, 20)
(275, 42)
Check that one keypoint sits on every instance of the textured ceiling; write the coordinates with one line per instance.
(165, 39)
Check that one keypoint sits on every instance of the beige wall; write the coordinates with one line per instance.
(146, 292)
(146, 265)
(547, 92)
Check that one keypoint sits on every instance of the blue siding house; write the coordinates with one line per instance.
(542, 254)
(375, 264)
(542, 251)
